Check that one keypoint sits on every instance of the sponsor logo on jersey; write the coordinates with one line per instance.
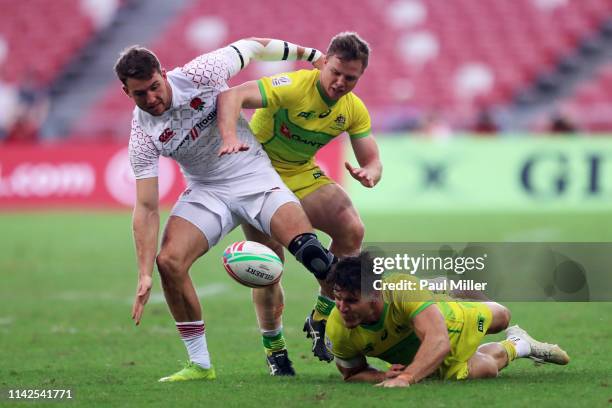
(384, 335)
(197, 104)
(281, 81)
(306, 115)
(284, 130)
(325, 114)
(166, 135)
(175, 151)
(339, 122)
(194, 133)
(480, 323)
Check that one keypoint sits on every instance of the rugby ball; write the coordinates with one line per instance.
(252, 264)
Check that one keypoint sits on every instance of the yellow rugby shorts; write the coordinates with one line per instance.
(302, 179)
(465, 339)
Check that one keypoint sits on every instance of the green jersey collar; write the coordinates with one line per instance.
(329, 102)
(379, 324)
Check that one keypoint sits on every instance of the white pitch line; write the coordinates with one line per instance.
(203, 292)
(77, 296)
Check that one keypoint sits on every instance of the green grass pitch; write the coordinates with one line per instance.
(67, 281)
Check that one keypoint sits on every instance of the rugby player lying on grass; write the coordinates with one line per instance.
(420, 337)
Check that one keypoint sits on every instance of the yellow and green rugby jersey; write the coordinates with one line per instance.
(392, 338)
(298, 118)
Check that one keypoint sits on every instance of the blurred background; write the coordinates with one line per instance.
(465, 95)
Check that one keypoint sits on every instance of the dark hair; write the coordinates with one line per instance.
(348, 46)
(136, 62)
(353, 274)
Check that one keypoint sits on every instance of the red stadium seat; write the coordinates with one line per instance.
(591, 101)
(514, 39)
(43, 35)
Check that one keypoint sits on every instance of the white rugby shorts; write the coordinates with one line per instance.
(219, 207)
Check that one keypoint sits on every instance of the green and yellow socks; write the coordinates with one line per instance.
(323, 308)
(273, 340)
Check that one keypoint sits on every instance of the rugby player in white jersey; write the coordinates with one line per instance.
(175, 116)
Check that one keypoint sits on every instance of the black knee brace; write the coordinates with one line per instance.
(309, 252)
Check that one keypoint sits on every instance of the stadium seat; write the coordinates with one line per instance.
(591, 101)
(515, 41)
(42, 37)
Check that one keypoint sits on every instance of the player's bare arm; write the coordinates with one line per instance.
(247, 95)
(229, 103)
(145, 225)
(361, 373)
(294, 52)
(430, 327)
(366, 153)
(366, 373)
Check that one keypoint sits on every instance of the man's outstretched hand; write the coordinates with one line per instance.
(143, 292)
(362, 175)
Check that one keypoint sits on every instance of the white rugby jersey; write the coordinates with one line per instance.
(188, 131)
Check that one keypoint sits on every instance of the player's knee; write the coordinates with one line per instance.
(356, 232)
(309, 251)
(501, 318)
(505, 318)
(348, 240)
(168, 265)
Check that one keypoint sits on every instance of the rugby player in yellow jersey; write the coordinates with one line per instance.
(299, 113)
(419, 336)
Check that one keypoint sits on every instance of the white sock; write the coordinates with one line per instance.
(192, 334)
(271, 333)
(523, 349)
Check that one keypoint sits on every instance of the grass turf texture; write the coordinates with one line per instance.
(67, 285)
